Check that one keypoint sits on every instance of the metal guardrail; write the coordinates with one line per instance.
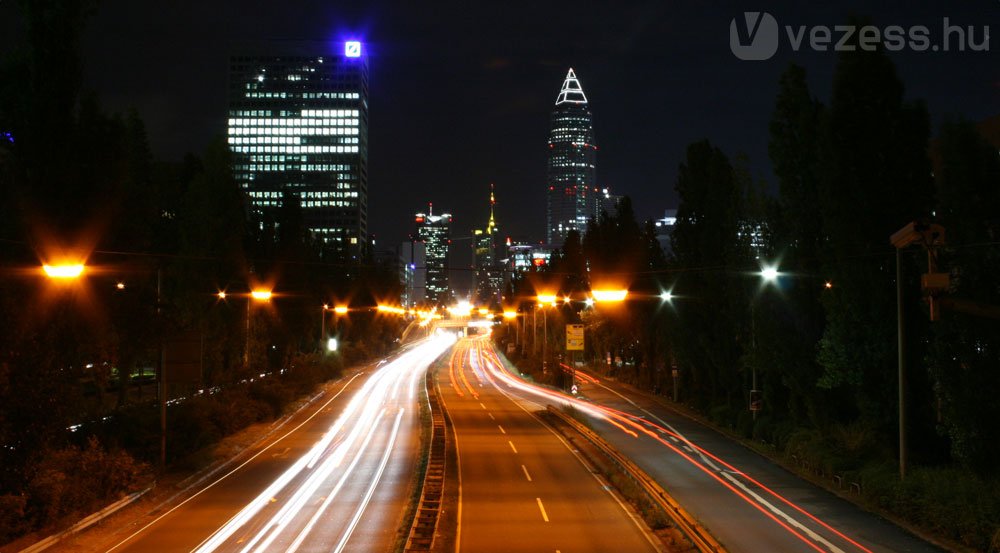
(687, 524)
(86, 522)
(425, 521)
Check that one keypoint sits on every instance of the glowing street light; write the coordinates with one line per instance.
(221, 295)
(63, 271)
(609, 295)
(340, 310)
(260, 294)
(510, 315)
(666, 295)
(769, 274)
(547, 298)
(461, 309)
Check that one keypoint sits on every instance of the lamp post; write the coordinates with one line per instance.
(770, 275)
(543, 300)
(259, 295)
(511, 315)
(322, 326)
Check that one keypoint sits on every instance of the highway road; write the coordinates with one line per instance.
(747, 502)
(522, 487)
(334, 478)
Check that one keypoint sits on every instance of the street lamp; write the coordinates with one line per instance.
(609, 295)
(63, 271)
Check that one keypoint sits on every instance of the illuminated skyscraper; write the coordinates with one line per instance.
(299, 125)
(572, 194)
(435, 231)
(489, 275)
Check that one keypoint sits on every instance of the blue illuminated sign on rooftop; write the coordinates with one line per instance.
(352, 49)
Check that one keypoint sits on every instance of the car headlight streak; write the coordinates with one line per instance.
(352, 434)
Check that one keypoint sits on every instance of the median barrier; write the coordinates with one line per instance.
(687, 524)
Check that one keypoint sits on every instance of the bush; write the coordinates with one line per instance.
(74, 481)
(13, 521)
(722, 415)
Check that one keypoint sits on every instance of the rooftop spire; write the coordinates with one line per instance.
(571, 91)
(493, 200)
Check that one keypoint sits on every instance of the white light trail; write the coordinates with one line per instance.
(352, 433)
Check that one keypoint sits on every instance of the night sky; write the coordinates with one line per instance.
(461, 94)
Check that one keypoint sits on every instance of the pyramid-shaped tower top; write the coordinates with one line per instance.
(571, 92)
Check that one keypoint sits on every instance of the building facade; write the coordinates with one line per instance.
(413, 254)
(607, 202)
(488, 272)
(665, 230)
(299, 125)
(573, 197)
(435, 232)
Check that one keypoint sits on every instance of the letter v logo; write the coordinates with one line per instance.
(755, 38)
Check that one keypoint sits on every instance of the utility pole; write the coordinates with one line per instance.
(163, 371)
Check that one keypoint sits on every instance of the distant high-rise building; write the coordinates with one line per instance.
(664, 230)
(299, 125)
(607, 201)
(572, 191)
(523, 256)
(413, 253)
(489, 276)
(435, 232)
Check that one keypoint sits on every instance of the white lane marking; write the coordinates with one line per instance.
(681, 437)
(783, 515)
(492, 418)
(526, 475)
(483, 406)
(674, 438)
(502, 431)
(688, 448)
(541, 508)
(274, 527)
(243, 464)
(512, 446)
(371, 487)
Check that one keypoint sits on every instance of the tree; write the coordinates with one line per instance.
(875, 176)
(965, 351)
(790, 327)
(708, 334)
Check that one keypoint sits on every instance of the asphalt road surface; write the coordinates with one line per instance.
(522, 488)
(747, 502)
(334, 478)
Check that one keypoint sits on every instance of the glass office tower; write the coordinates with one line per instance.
(435, 231)
(299, 126)
(572, 192)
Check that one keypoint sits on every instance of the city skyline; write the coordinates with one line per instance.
(641, 64)
(355, 288)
